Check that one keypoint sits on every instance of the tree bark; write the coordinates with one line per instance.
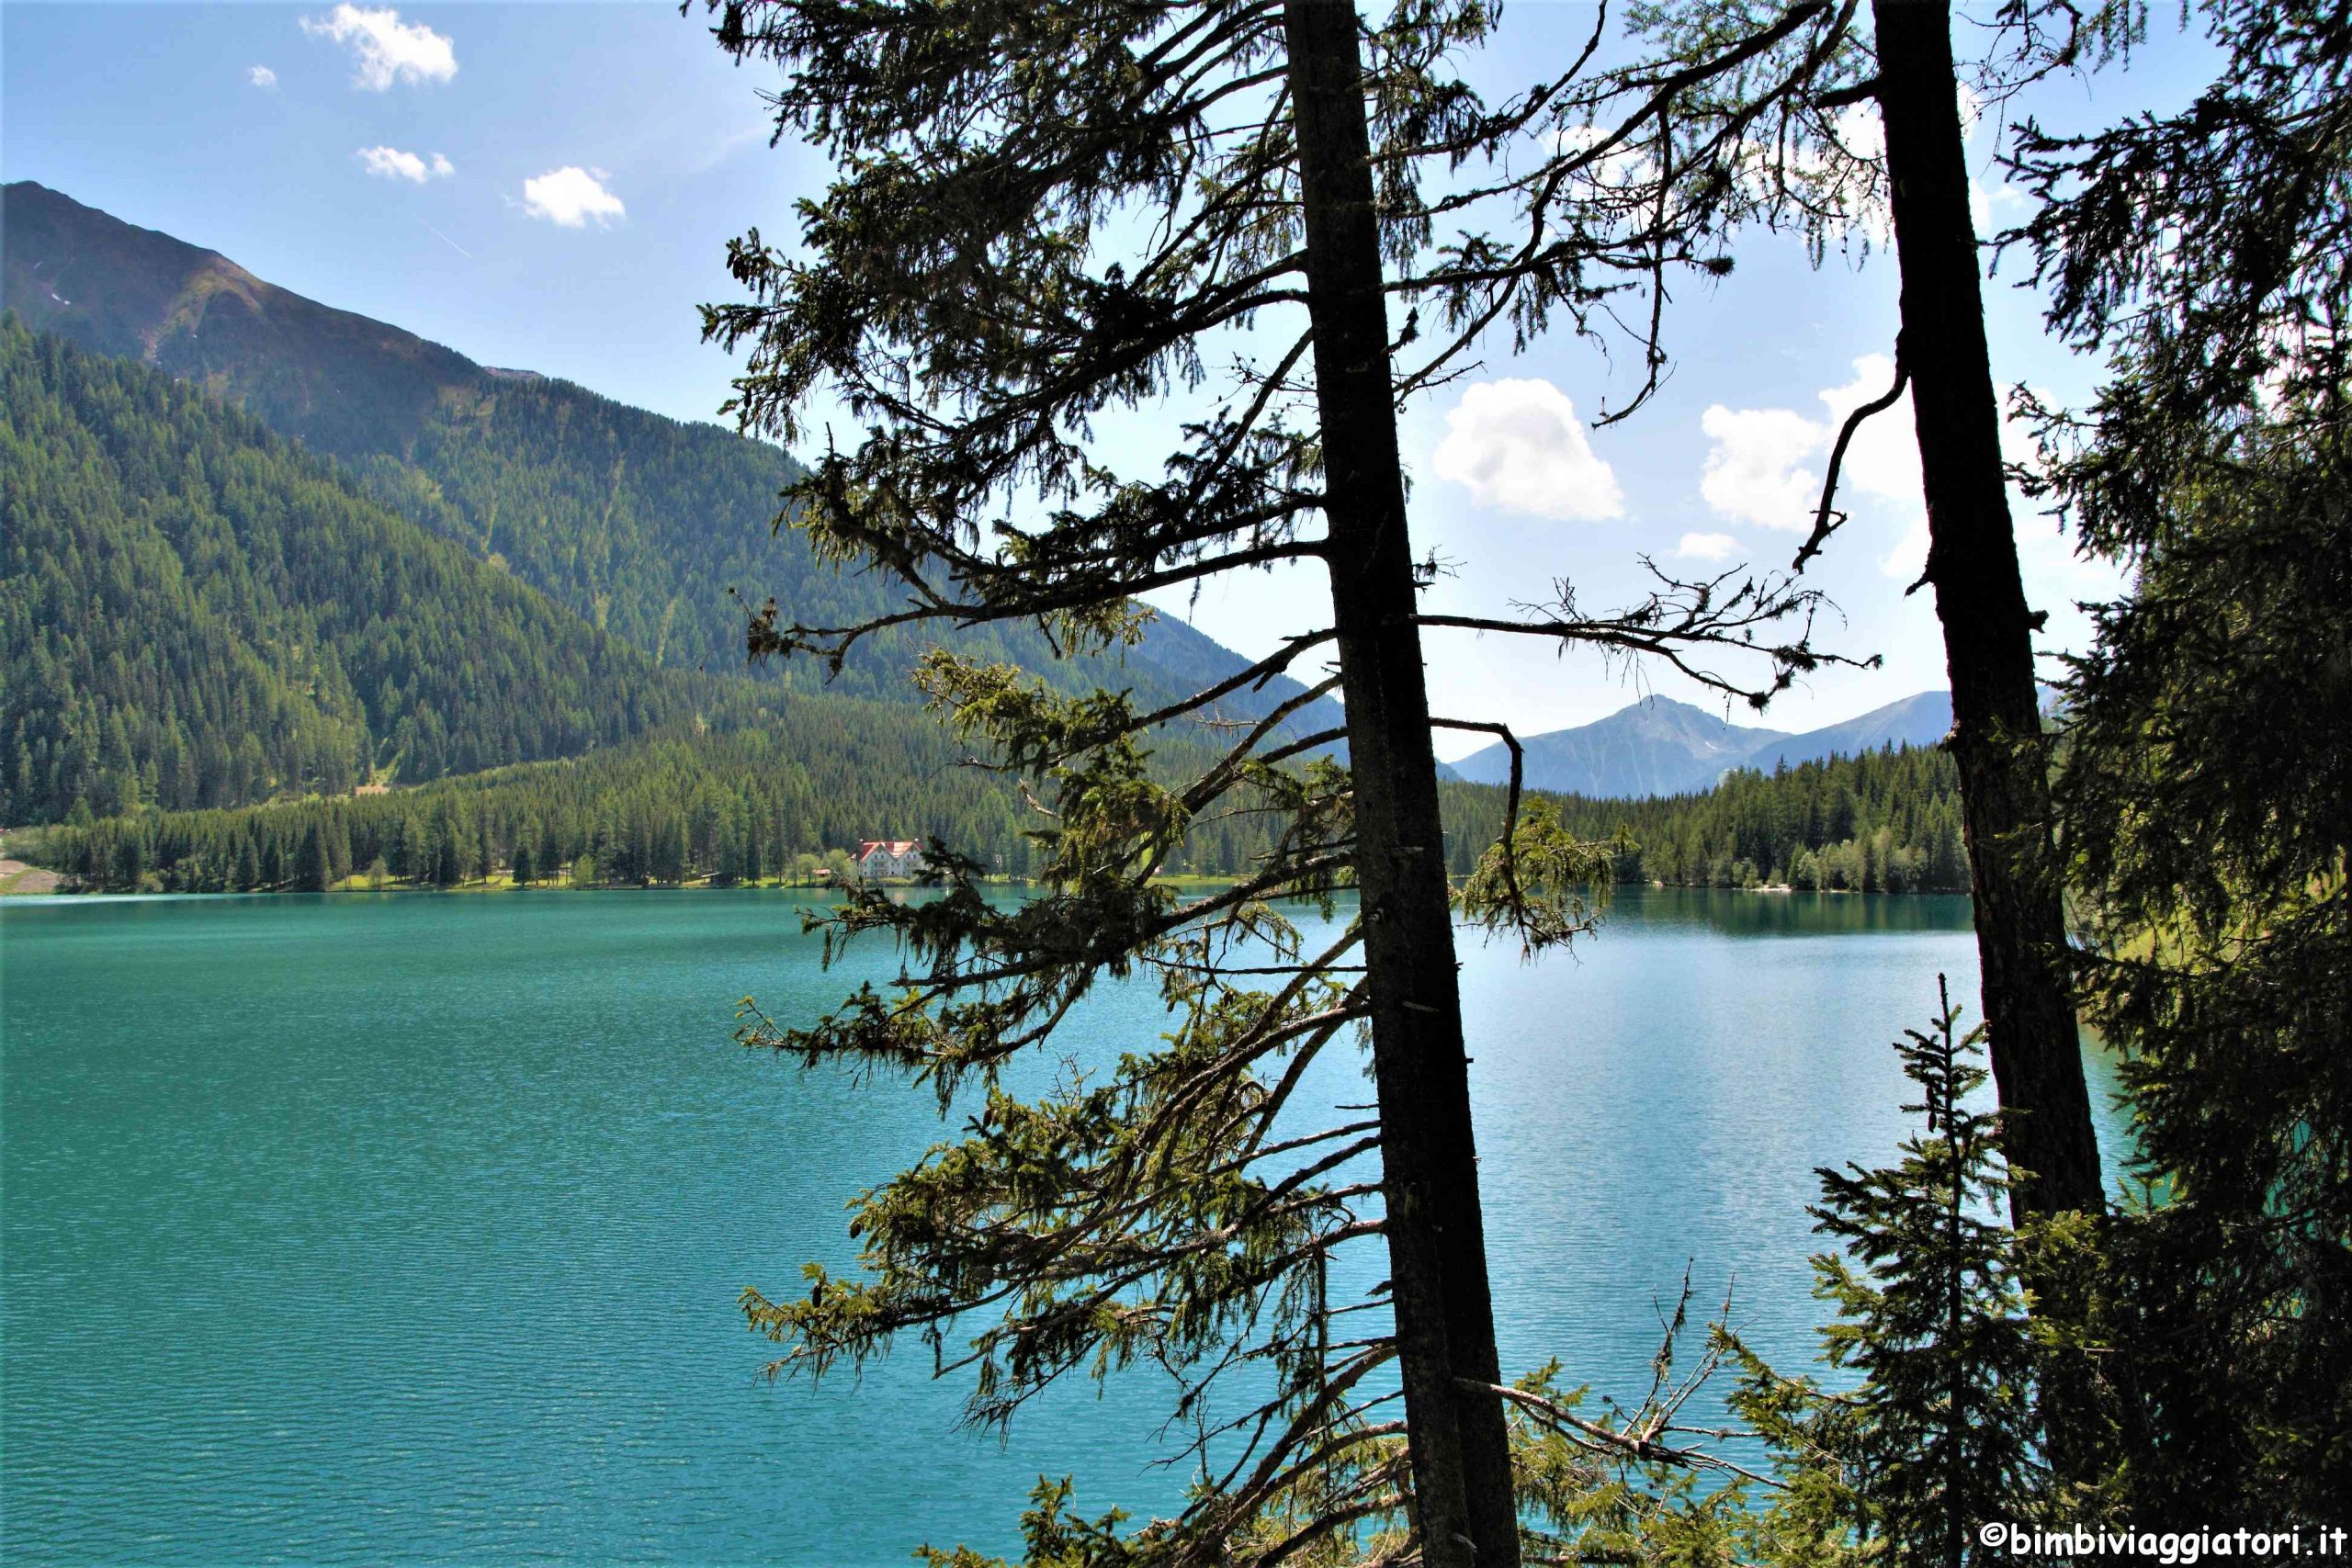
(1988, 630)
(1459, 1439)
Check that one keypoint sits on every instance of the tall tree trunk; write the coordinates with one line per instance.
(1459, 1442)
(1989, 631)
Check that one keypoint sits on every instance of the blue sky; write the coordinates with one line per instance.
(552, 187)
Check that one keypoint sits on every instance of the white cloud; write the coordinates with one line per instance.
(1623, 167)
(1759, 471)
(384, 48)
(1707, 546)
(2046, 555)
(391, 164)
(1908, 559)
(261, 76)
(1751, 475)
(1518, 446)
(570, 196)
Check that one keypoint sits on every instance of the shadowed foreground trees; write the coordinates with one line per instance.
(2207, 795)
(1997, 738)
(1047, 213)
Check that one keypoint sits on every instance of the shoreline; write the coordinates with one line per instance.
(11, 887)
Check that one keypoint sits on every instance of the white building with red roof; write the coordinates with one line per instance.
(878, 859)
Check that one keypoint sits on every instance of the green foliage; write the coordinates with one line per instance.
(663, 810)
(2206, 802)
(1540, 880)
(643, 526)
(1051, 1536)
(1941, 1435)
(1882, 822)
(833, 772)
(2207, 797)
(780, 793)
(315, 640)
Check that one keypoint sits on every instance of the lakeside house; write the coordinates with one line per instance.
(881, 858)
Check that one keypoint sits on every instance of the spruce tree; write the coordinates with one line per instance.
(313, 872)
(1989, 628)
(1282, 221)
(1940, 1435)
(2206, 793)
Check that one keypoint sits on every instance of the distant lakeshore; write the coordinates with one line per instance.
(19, 880)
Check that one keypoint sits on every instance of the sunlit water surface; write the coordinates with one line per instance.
(410, 1228)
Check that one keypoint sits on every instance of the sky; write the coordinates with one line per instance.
(552, 187)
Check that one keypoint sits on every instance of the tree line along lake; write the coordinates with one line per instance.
(363, 1228)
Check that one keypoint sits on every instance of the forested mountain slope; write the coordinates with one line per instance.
(196, 612)
(639, 523)
(1880, 821)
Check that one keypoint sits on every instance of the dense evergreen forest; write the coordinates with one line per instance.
(638, 523)
(784, 798)
(745, 805)
(643, 526)
(318, 639)
(194, 612)
(1882, 822)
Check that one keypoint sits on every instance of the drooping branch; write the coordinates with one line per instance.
(764, 637)
(1505, 842)
(1681, 618)
(1826, 521)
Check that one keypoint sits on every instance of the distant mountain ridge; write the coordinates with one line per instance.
(639, 523)
(1921, 719)
(1660, 747)
(1655, 746)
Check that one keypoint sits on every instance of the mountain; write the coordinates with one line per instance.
(196, 612)
(1655, 746)
(339, 382)
(640, 524)
(1659, 746)
(1919, 720)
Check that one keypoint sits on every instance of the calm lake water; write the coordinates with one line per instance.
(410, 1228)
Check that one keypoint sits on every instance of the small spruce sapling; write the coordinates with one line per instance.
(1941, 1435)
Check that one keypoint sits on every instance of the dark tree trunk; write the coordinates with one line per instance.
(1459, 1442)
(1989, 631)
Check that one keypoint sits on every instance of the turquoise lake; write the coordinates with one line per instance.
(410, 1228)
